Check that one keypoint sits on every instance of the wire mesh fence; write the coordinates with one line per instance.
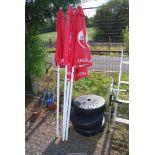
(105, 37)
(105, 45)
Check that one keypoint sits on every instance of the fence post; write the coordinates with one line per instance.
(109, 42)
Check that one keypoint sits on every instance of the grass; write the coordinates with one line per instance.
(106, 47)
(97, 83)
(90, 33)
(45, 37)
(52, 35)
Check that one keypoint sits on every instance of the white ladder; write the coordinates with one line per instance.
(116, 92)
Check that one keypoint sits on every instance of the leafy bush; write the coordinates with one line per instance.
(125, 34)
(35, 57)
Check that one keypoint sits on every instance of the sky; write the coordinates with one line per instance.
(92, 3)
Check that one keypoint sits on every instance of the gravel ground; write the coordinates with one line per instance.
(42, 141)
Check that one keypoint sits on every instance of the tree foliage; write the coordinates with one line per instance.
(37, 12)
(89, 21)
(110, 19)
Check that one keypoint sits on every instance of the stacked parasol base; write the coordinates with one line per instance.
(87, 116)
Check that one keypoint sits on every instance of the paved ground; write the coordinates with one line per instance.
(42, 141)
(108, 64)
(105, 63)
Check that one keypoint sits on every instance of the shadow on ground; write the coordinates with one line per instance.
(76, 144)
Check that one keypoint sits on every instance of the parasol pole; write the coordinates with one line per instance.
(58, 89)
(69, 103)
(59, 58)
(65, 105)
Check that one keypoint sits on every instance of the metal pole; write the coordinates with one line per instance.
(118, 87)
(110, 99)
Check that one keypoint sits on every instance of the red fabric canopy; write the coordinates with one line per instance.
(72, 48)
(78, 72)
(81, 73)
(80, 51)
(79, 56)
(68, 36)
(60, 22)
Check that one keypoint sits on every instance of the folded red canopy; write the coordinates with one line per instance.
(60, 22)
(79, 56)
(68, 33)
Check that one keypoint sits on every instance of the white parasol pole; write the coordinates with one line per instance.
(58, 89)
(65, 105)
(69, 104)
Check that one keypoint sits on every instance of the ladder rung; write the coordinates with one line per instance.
(124, 82)
(123, 90)
(125, 62)
(122, 120)
(123, 101)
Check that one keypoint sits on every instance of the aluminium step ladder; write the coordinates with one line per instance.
(116, 93)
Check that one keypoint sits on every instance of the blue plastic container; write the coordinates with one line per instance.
(49, 99)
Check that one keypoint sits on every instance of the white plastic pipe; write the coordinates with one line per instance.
(67, 125)
(64, 106)
(58, 89)
(69, 104)
(65, 110)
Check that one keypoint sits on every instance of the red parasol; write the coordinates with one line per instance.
(80, 52)
(79, 57)
(59, 56)
(66, 51)
(79, 49)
